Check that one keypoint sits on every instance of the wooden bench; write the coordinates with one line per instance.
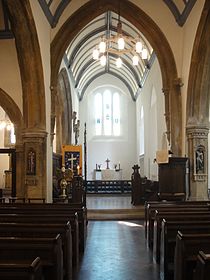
(202, 269)
(151, 206)
(38, 230)
(181, 214)
(48, 219)
(149, 225)
(55, 208)
(168, 241)
(186, 251)
(48, 249)
(46, 208)
(21, 270)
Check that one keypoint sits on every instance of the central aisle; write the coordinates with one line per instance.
(116, 250)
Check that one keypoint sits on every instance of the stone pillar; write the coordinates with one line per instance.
(35, 176)
(197, 137)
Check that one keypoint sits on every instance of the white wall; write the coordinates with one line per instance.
(152, 99)
(121, 150)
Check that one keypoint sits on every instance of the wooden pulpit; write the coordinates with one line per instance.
(174, 179)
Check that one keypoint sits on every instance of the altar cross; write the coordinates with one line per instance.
(107, 163)
(72, 161)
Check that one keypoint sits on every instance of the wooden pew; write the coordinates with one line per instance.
(202, 269)
(48, 249)
(38, 230)
(168, 241)
(182, 214)
(186, 251)
(46, 208)
(53, 208)
(169, 208)
(48, 219)
(151, 206)
(21, 270)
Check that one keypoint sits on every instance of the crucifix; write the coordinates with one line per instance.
(72, 161)
(107, 163)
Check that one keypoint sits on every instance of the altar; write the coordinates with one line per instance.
(107, 174)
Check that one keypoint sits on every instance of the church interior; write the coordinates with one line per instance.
(104, 139)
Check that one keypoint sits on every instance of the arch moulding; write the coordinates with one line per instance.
(153, 34)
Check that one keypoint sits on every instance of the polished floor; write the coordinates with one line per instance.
(110, 201)
(116, 250)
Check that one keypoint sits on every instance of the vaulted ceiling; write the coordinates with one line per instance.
(84, 69)
(78, 56)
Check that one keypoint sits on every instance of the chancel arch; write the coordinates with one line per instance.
(153, 34)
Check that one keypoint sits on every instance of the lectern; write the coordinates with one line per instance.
(174, 179)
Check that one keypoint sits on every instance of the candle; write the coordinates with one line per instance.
(78, 169)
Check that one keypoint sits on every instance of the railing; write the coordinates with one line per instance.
(108, 186)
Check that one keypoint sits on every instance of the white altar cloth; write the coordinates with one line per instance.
(108, 174)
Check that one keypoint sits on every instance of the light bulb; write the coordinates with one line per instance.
(119, 62)
(95, 54)
(121, 43)
(144, 53)
(138, 47)
(135, 60)
(103, 60)
(102, 47)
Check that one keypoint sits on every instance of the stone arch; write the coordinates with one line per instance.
(197, 111)
(13, 111)
(29, 58)
(15, 115)
(199, 82)
(153, 34)
(63, 111)
(34, 134)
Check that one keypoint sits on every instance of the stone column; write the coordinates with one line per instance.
(35, 177)
(197, 137)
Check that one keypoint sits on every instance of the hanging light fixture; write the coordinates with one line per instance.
(119, 45)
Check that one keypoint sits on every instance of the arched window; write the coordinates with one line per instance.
(107, 113)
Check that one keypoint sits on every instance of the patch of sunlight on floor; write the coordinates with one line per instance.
(130, 224)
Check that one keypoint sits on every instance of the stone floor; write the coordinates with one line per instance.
(113, 207)
(110, 201)
(116, 250)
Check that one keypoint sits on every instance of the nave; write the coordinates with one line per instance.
(116, 250)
